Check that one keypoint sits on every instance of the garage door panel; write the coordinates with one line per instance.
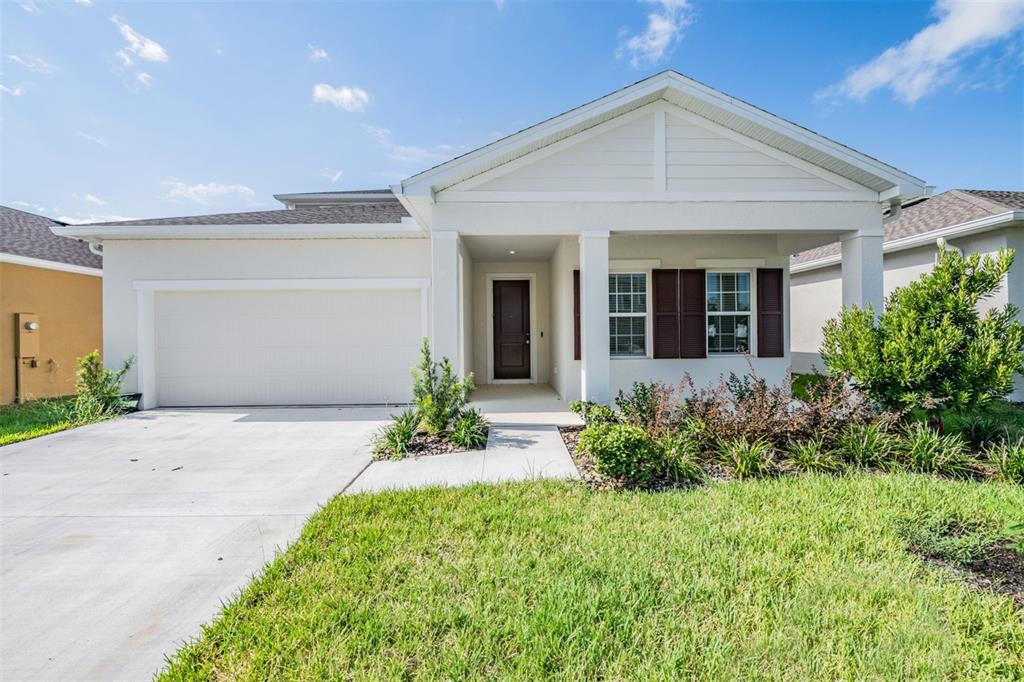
(286, 347)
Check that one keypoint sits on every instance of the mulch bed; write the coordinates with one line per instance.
(1000, 569)
(426, 445)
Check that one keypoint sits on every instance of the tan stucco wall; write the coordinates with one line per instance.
(70, 310)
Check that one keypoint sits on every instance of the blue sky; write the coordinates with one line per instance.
(154, 109)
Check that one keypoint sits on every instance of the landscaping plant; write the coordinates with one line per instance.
(621, 451)
(924, 450)
(470, 430)
(98, 389)
(746, 458)
(930, 347)
(1009, 460)
(866, 445)
(593, 413)
(440, 395)
(651, 406)
(680, 457)
(812, 456)
(395, 438)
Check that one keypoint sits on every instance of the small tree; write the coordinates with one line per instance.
(97, 389)
(440, 396)
(930, 348)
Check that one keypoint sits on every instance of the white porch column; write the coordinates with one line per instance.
(862, 270)
(595, 365)
(444, 296)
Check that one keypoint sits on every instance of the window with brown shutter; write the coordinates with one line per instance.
(576, 347)
(666, 313)
(770, 335)
(693, 328)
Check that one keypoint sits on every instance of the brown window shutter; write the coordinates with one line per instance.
(666, 313)
(769, 313)
(692, 315)
(576, 348)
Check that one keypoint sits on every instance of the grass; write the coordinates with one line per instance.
(35, 418)
(803, 577)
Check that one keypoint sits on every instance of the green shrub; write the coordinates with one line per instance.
(866, 445)
(746, 458)
(470, 430)
(924, 450)
(393, 440)
(97, 389)
(440, 396)
(593, 413)
(679, 453)
(981, 430)
(649, 406)
(1009, 460)
(621, 451)
(931, 348)
(812, 455)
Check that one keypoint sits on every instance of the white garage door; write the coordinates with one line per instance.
(286, 347)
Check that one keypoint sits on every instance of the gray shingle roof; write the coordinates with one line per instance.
(361, 212)
(29, 235)
(943, 210)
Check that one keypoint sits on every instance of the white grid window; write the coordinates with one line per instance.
(627, 307)
(728, 297)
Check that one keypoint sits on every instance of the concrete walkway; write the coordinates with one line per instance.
(513, 453)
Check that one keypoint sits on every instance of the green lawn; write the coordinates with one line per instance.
(34, 418)
(794, 578)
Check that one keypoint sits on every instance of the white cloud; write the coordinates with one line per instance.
(83, 2)
(664, 29)
(143, 79)
(85, 218)
(344, 97)
(16, 91)
(36, 64)
(138, 44)
(30, 7)
(500, 4)
(333, 176)
(934, 56)
(204, 191)
(35, 208)
(318, 54)
(410, 153)
(90, 198)
(95, 140)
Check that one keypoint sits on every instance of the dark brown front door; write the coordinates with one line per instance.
(512, 329)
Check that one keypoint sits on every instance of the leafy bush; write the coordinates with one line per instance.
(440, 396)
(930, 347)
(981, 431)
(394, 439)
(98, 389)
(679, 454)
(1009, 460)
(812, 455)
(866, 445)
(621, 451)
(470, 430)
(924, 450)
(593, 413)
(649, 406)
(746, 458)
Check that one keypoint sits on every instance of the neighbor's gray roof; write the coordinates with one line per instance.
(29, 235)
(362, 212)
(935, 213)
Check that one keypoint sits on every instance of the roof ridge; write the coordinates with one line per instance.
(981, 202)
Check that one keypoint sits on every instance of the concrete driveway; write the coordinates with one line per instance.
(117, 540)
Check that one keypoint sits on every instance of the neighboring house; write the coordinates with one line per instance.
(641, 236)
(59, 280)
(972, 221)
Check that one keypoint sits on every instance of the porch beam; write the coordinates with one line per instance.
(444, 296)
(595, 365)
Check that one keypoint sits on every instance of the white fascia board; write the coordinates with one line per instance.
(28, 261)
(407, 228)
(913, 241)
(301, 284)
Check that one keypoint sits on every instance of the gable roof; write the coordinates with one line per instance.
(949, 209)
(29, 235)
(363, 212)
(700, 99)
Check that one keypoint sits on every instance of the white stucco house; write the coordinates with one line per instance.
(642, 235)
(972, 221)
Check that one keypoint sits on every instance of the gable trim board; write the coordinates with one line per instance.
(49, 265)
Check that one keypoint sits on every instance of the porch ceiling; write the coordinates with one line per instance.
(499, 247)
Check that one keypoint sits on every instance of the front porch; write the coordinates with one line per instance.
(523, 404)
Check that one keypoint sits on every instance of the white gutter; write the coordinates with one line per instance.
(925, 238)
(97, 233)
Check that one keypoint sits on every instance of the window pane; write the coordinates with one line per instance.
(728, 333)
(628, 335)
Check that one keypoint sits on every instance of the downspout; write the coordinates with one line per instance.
(943, 244)
(95, 249)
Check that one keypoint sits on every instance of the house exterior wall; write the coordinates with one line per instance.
(816, 294)
(126, 261)
(70, 309)
(540, 334)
